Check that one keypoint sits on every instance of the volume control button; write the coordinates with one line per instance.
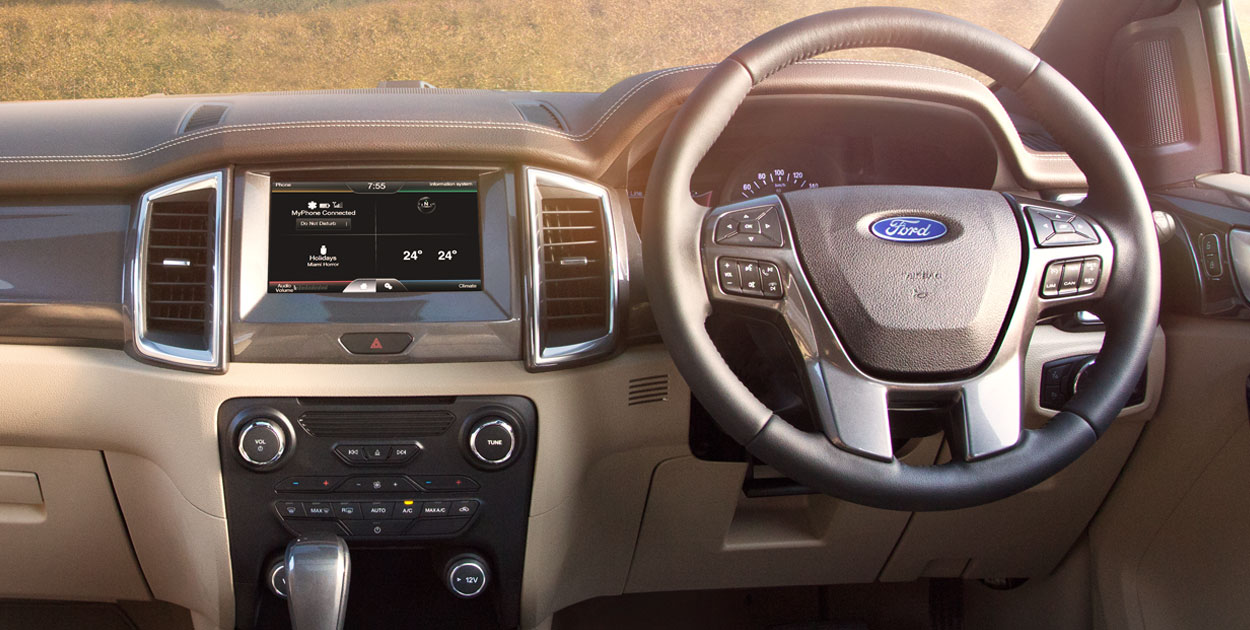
(262, 442)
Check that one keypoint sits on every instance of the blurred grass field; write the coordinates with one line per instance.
(83, 49)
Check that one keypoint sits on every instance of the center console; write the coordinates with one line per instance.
(430, 494)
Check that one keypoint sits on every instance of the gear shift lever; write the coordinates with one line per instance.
(318, 570)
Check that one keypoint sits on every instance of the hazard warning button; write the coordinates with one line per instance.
(376, 343)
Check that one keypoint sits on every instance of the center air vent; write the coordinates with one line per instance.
(177, 273)
(574, 277)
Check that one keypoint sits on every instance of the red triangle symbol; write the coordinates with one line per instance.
(376, 345)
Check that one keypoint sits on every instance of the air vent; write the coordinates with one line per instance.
(540, 113)
(648, 389)
(204, 116)
(380, 424)
(177, 273)
(575, 278)
(1039, 141)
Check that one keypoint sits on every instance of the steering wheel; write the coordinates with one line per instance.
(904, 296)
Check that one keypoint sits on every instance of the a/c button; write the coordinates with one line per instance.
(376, 343)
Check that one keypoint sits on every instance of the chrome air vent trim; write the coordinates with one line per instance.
(212, 358)
(542, 184)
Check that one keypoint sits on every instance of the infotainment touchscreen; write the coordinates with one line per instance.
(374, 237)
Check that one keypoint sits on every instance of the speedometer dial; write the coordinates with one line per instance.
(775, 181)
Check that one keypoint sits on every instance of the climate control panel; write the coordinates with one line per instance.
(448, 473)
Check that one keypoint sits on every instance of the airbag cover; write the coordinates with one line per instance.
(910, 308)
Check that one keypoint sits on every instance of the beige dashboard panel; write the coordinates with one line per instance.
(1027, 535)
(1169, 545)
(66, 540)
(158, 428)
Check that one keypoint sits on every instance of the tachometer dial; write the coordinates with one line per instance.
(775, 181)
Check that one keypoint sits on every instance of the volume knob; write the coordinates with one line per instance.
(262, 442)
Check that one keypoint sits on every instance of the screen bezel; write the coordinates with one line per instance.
(493, 303)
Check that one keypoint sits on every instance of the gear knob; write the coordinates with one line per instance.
(318, 571)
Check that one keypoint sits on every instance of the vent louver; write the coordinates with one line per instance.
(204, 116)
(380, 424)
(177, 288)
(648, 389)
(574, 290)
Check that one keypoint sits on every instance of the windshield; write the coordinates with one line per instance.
(87, 49)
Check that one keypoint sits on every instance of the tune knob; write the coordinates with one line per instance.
(262, 442)
(493, 441)
(466, 575)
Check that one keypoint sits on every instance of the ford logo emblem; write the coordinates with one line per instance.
(908, 229)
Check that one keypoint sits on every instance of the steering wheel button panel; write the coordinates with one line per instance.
(749, 278)
(753, 227)
(1059, 228)
(1077, 276)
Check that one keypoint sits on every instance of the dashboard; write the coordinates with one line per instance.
(372, 280)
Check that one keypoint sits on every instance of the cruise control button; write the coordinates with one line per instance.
(1071, 279)
(435, 508)
(1050, 283)
(750, 272)
(1090, 270)
(376, 343)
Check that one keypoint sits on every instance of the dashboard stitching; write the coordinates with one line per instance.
(582, 137)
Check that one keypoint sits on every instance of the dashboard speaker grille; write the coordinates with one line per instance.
(380, 424)
(573, 298)
(648, 389)
(205, 116)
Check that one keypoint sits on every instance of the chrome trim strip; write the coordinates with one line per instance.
(538, 355)
(213, 358)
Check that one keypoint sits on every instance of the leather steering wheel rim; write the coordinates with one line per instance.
(676, 284)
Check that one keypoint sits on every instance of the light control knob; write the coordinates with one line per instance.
(467, 575)
(262, 442)
(1082, 375)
